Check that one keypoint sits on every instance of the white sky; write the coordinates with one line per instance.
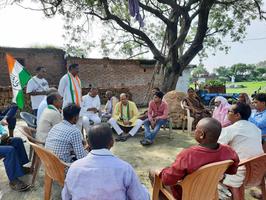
(27, 28)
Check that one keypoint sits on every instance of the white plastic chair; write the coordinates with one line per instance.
(189, 118)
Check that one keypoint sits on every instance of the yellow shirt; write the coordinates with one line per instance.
(133, 113)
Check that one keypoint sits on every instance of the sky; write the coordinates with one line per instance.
(26, 28)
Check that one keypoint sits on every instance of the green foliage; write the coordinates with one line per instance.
(242, 72)
(199, 71)
(215, 83)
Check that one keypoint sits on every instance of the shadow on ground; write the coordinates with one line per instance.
(162, 153)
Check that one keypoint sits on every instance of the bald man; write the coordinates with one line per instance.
(207, 151)
(125, 117)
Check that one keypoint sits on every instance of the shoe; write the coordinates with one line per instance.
(127, 136)
(146, 142)
(256, 194)
(26, 170)
(19, 185)
(119, 137)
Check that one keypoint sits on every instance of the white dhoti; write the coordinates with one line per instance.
(85, 121)
(119, 131)
(237, 179)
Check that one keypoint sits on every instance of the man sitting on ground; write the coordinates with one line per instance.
(90, 109)
(189, 160)
(65, 137)
(8, 117)
(244, 137)
(50, 116)
(101, 175)
(15, 156)
(125, 116)
(157, 117)
(110, 105)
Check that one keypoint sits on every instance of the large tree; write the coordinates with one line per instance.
(174, 31)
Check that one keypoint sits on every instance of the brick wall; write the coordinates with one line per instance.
(30, 58)
(134, 75)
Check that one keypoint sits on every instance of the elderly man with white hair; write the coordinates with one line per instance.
(125, 118)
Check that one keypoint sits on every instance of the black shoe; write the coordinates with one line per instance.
(146, 142)
(119, 138)
(19, 185)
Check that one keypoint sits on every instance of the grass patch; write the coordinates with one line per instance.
(250, 87)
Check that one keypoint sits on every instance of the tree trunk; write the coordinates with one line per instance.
(169, 81)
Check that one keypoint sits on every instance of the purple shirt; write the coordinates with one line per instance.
(102, 176)
(160, 112)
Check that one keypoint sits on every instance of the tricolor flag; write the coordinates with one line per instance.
(19, 78)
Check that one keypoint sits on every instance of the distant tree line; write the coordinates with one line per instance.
(240, 72)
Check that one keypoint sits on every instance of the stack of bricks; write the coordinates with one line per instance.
(5, 96)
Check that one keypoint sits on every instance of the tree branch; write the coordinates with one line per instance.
(171, 3)
(157, 54)
(259, 10)
(155, 12)
(202, 29)
(227, 3)
(138, 54)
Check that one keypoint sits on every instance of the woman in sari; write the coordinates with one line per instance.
(221, 109)
(197, 109)
(244, 98)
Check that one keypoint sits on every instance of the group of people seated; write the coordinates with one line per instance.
(231, 132)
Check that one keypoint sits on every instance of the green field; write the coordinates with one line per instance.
(249, 89)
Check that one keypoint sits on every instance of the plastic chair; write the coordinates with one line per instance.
(169, 124)
(189, 118)
(255, 176)
(36, 162)
(200, 185)
(30, 119)
(54, 169)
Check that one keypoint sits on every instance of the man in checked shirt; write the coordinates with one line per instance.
(65, 138)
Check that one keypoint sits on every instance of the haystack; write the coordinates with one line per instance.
(174, 98)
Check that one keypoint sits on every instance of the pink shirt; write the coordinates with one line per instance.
(160, 112)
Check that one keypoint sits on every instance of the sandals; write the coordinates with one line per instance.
(121, 138)
(146, 142)
(19, 185)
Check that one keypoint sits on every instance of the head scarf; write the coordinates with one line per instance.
(220, 112)
(247, 99)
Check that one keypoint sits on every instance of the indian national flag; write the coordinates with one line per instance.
(19, 78)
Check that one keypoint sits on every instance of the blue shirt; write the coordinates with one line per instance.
(102, 176)
(259, 119)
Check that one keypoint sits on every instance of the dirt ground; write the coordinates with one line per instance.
(162, 153)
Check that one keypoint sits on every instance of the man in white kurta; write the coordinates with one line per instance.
(50, 116)
(70, 87)
(37, 88)
(244, 137)
(43, 104)
(90, 109)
